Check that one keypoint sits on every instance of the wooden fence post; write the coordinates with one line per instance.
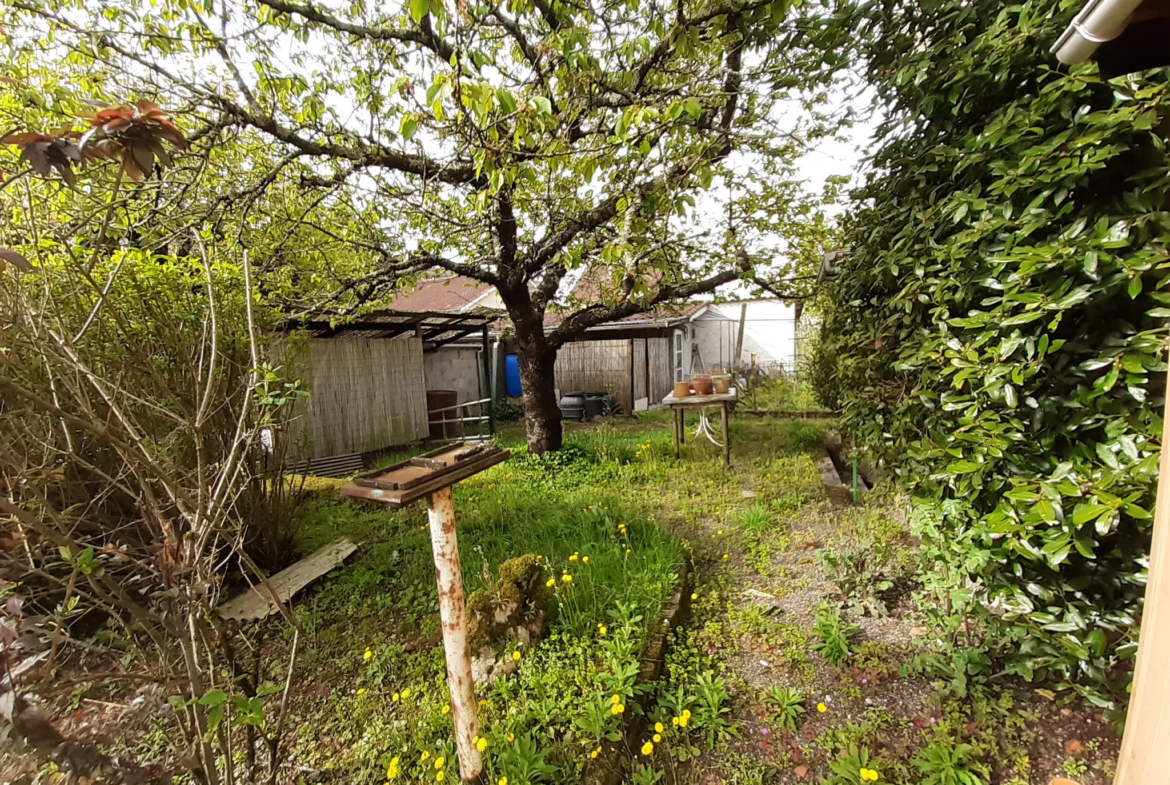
(1145, 748)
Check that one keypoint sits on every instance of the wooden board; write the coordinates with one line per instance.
(1145, 748)
(386, 489)
(256, 603)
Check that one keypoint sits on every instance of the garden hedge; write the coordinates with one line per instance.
(998, 331)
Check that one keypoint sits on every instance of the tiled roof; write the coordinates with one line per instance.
(660, 313)
(451, 293)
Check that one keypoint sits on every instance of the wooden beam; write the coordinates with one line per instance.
(257, 602)
(1145, 748)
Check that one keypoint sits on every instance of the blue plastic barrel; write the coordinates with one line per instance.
(512, 375)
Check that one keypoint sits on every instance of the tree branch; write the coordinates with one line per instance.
(594, 315)
(424, 37)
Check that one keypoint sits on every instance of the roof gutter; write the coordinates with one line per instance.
(1098, 22)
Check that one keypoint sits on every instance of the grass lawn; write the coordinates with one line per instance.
(805, 657)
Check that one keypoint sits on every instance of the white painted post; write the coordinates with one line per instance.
(453, 613)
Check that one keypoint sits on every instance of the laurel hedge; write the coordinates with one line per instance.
(997, 335)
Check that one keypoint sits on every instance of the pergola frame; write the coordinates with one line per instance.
(435, 328)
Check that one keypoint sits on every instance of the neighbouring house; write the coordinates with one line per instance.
(368, 382)
(769, 338)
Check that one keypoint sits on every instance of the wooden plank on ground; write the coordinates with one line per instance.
(256, 603)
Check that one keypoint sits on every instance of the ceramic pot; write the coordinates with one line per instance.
(722, 384)
(682, 389)
(703, 385)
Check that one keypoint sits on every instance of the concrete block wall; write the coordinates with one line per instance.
(458, 368)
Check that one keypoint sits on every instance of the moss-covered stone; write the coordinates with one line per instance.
(516, 603)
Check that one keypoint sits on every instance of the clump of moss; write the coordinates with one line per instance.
(517, 603)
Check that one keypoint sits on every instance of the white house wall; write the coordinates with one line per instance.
(769, 334)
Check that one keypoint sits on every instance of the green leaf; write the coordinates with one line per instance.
(213, 697)
(1084, 513)
(542, 104)
(214, 718)
(419, 9)
(408, 127)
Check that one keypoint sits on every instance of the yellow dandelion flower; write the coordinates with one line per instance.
(726, 556)
(616, 699)
(602, 629)
(538, 558)
(595, 753)
(440, 776)
(574, 557)
(446, 709)
(499, 501)
(511, 737)
(516, 656)
(648, 748)
(481, 745)
(482, 703)
(584, 559)
(674, 721)
(567, 578)
(361, 691)
(628, 550)
(503, 781)
(550, 582)
(367, 655)
(393, 769)
(695, 596)
(405, 694)
(617, 708)
(396, 697)
(822, 708)
(658, 727)
(425, 756)
(440, 762)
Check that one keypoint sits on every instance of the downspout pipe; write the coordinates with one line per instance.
(1099, 21)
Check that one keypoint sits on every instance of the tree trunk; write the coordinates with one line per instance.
(542, 414)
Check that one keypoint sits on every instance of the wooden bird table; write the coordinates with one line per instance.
(679, 406)
(431, 476)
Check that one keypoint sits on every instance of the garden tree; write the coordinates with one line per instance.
(511, 143)
(998, 331)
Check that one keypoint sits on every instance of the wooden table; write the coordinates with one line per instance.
(679, 406)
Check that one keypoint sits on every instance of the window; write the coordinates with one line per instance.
(678, 355)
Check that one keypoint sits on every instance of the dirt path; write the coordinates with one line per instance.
(761, 548)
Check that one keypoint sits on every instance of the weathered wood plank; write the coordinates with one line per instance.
(257, 602)
(1145, 753)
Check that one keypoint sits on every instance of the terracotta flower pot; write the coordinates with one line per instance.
(682, 389)
(722, 384)
(703, 385)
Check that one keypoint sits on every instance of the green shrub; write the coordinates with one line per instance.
(833, 634)
(948, 764)
(998, 326)
(787, 706)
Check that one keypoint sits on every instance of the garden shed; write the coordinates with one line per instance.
(636, 360)
(367, 382)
